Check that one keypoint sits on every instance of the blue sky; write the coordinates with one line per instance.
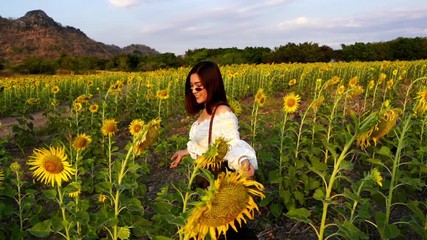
(177, 26)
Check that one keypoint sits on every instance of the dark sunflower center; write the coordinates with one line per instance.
(137, 128)
(80, 142)
(291, 102)
(110, 128)
(53, 164)
(230, 202)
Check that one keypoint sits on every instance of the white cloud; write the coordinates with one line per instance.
(293, 23)
(124, 3)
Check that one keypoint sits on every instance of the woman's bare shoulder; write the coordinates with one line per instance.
(222, 109)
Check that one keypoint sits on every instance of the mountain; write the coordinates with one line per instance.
(38, 35)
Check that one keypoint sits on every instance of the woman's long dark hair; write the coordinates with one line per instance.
(211, 79)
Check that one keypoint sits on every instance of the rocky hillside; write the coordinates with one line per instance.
(38, 35)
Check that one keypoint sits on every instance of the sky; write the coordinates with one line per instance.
(175, 26)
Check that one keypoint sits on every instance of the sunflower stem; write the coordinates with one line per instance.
(64, 217)
(190, 182)
(282, 139)
(332, 179)
(395, 169)
(19, 184)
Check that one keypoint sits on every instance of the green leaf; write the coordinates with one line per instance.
(387, 231)
(41, 229)
(331, 148)
(317, 165)
(49, 194)
(346, 165)
(313, 183)
(56, 222)
(300, 214)
(414, 182)
(135, 205)
(349, 231)
(133, 168)
(276, 209)
(375, 161)
(103, 187)
(274, 177)
(82, 216)
(319, 194)
(385, 151)
(162, 207)
(299, 196)
(265, 201)
(160, 238)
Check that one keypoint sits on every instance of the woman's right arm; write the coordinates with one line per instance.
(177, 157)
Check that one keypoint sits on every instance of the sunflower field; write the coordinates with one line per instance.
(341, 148)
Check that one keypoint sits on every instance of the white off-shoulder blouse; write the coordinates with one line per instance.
(224, 125)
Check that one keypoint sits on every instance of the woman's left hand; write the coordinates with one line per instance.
(248, 168)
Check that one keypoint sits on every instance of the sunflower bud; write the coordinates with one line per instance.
(214, 157)
(147, 136)
(386, 121)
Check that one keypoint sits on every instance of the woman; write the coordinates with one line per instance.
(205, 95)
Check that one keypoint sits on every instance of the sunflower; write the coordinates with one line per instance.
(81, 141)
(163, 94)
(353, 82)
(123, 233)
(292, 82)
(394, 72)
(386, 121)
(335, 80)
(259, 95)
(150, 96)
(376, 177)
(33, 101)
(84, 98)
(371, 84)
(357, 90)
(77, 106)
(1, 175)
(291, 102)
(135, 126)
(147, 137)
(214, 156)
(102, 198)
(93, 108)
(15, 167)
(421, 106)
(109, 127)
(317, 103)
(341, 89)
(390, 83)
(74, 194)
(55, 89)
(228, 201)
(50, 165)
(235, 107)
(382, 77)
(262, 100)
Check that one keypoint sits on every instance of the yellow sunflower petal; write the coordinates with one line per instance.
(228, 201)
(50, 165)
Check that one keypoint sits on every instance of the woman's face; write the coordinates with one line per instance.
(198, 89)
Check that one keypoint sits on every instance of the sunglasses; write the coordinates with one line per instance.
(198, 89)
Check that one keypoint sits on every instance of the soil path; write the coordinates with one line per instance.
(6, 127)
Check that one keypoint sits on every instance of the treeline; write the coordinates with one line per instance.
(398, 49)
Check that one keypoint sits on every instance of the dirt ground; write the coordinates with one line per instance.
(6, 127)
